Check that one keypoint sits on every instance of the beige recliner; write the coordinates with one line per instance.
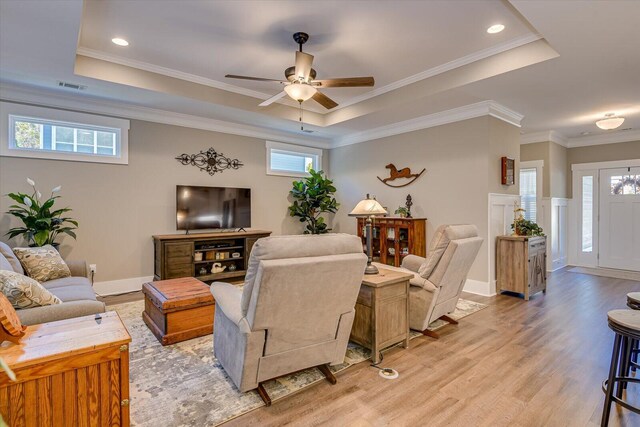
(294, 312)
(438, 279)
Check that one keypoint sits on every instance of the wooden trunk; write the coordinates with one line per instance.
(175, 254)
(521, 265)
(72, 372)
(395, 238)
(382, 312)
(178, 309)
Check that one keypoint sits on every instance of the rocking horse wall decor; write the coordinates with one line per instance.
(402, 173)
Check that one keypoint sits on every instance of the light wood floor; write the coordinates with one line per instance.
(536, 363)
(515, 363)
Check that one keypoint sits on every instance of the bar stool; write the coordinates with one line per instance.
(626, 325)
(633, 302)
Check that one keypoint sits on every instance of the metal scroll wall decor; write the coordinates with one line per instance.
(209, 161)
(395, 173)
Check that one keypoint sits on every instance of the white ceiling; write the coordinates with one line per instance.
(415, 50)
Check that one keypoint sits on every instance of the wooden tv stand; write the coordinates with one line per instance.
(175, 254)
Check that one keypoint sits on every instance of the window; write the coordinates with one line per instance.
(587, 213)
(627, 184)
(528, 192)
(47, 133)
(292, 160)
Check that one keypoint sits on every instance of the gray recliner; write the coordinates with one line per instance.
(439, 278)
(295, 311)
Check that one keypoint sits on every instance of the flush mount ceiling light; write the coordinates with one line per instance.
(494, 29)
(300, 91)
(119, 41)
(610, 122)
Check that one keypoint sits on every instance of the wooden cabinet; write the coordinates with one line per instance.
(395, 238)
(382, 312)
(521, 265)
(193, 255)
(72, 372)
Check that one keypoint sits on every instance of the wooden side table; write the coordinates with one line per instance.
(70, 372)
(382, 311)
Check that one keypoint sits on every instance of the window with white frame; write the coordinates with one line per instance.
(528, 193)
(292, 160)
(48, 133)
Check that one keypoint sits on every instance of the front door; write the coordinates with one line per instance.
(620, 218)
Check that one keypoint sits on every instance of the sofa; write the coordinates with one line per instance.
(76, 292)
(294, 312)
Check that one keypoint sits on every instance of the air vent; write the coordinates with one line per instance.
(71, 86)
(307, 130)
(626, 129)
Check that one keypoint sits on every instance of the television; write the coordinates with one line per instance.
(207, 208)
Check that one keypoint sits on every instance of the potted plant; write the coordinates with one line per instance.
(524, 227)
(41, 223)
(402, 211)
(313, 196)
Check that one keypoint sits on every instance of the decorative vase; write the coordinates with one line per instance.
(203, 271)
(232, 267)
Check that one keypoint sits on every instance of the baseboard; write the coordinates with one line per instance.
(122, 286)
(479, 288)
(557, 265)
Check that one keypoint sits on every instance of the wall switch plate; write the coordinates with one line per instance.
(92, 268)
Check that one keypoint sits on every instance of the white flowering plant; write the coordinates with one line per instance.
(42, 224)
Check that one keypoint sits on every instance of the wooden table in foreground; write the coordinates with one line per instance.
(382, 311)
(178, 309)
(71, 372)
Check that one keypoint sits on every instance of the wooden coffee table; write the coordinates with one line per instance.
(178, 309)
(382, 311)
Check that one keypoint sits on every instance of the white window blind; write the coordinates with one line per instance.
(292, 160)
(528, 196)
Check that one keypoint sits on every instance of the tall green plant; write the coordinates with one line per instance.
(313, 196)
(42, 224)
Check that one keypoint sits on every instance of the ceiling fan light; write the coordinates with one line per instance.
(610, 122)
(300, 91)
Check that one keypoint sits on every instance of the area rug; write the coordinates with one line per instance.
(184, 385)
(608, 272)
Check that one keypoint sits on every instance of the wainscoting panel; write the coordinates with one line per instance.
(500, 219)
(554, 220)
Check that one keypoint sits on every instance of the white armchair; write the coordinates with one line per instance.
(439, 278)
(295, 311)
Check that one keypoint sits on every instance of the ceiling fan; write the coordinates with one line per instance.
(301, 83)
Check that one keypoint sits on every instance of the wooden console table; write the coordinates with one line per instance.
(382, 312)
(70, 372)
(175, 254)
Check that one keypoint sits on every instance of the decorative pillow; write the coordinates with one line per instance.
(24, 292)
(43, 263)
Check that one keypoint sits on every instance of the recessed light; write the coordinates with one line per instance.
(495, 29)
(119, 41)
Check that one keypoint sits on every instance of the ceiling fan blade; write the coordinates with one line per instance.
(273, 99)
(345, 82)
(303, 65)
(259, 79)
(324, 100)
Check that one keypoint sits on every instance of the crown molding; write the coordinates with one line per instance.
(122, 110)
(614, 137)
(471, 111)
(544, 136)
(451, 65)
(443, 68)
(169, 72)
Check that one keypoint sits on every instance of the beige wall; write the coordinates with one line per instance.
(555, 180)
(120, 207)
(463, 165)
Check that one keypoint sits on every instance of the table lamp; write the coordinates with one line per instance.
(368, 208)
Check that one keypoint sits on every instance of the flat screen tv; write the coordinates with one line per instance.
(207, 208)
